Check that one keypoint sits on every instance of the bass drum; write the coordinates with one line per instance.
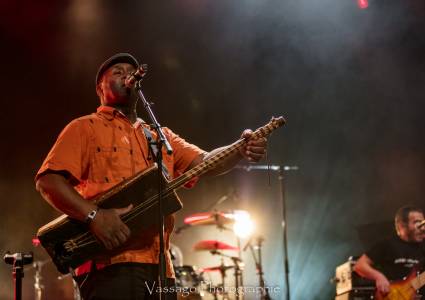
(188, 283)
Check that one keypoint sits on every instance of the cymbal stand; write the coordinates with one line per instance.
(223, 277)
(238, 270)
(240, 257)
(259, 266)
(238, 276)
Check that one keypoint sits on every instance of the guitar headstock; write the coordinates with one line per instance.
(277, 122)
(269, 127)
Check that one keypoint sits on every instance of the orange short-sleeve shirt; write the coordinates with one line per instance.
(104, 148)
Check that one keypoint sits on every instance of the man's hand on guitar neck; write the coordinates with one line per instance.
(255, 149)
(382, 284)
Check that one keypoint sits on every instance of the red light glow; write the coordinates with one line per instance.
(35, 242)
(363, 4)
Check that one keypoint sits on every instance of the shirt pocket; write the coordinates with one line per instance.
(111, 164)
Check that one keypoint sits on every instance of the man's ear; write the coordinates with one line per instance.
(99, 91)
(400, 227)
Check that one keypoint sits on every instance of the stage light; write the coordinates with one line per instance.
(363, 4)
(244, 225)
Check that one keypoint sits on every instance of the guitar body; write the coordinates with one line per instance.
(70, 243)
(401, 290)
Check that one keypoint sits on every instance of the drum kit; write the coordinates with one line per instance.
(191, 279)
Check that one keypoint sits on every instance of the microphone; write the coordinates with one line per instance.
(136, 76)
(421, 224)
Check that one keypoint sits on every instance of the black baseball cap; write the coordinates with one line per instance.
(115, 59)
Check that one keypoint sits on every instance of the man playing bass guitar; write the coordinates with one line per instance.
(396, 263)
(98, 151)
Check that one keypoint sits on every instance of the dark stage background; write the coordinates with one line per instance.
(350, 82)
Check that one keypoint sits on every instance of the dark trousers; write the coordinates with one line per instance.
(124, 281)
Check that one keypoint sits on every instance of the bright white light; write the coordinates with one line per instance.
(244, 225)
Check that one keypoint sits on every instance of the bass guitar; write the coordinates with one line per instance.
(405, 289)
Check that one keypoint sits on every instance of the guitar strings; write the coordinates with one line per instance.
(87, 238)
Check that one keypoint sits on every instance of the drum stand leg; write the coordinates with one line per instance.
(38, 286)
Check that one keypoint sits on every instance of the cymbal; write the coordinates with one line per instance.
(210, 218)
(221, 268)
(209, 245)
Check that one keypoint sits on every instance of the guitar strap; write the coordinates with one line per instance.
(154, 149)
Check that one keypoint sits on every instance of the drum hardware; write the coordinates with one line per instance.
(258, 264)
(238, 266)
(18, 260)
(38, 286)
(188, 278)
(213, 246)
(222, 268)
(220, 219)
(209, 245)
(176, 255)
(216, 218)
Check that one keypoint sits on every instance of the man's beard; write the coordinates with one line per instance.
(124, 95)
(412, 236)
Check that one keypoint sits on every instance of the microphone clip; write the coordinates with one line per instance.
(135, 77)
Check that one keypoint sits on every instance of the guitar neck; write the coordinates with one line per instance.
(219, 157)
(207, 165)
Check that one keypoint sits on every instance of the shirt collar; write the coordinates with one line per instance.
(110, 113)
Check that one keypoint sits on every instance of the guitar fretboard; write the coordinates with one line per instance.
(216, 159)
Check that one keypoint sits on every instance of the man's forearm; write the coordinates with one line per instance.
(364, 268)
(57, 191)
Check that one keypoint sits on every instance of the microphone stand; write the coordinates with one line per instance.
(159, 143)
(280, 170)
(285, 233)
(18, 260)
